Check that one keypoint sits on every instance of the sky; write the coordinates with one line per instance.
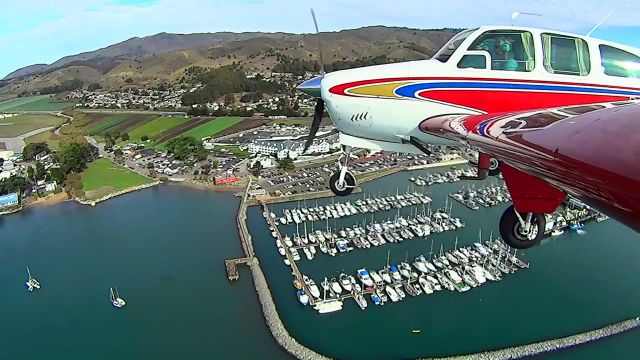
(43, 31)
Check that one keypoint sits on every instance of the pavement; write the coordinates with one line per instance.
(16, 144)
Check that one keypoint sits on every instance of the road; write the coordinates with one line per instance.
(17, 144)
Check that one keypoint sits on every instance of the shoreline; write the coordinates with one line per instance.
(49, 200)
(93, 202)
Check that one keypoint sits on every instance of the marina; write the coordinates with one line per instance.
(450, 176)
(337, 210)
(193, 244)
(374, 233)
(475, 198)
(457, 270)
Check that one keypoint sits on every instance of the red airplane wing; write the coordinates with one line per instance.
(591, 152)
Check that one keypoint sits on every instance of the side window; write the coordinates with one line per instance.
(508, 49)
(473, 61)
(618, 62)
(565, 55)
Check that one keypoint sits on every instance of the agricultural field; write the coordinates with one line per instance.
(22, 124)
(213, 127)
(157, 127)
(120, 123)
(33, 103)
(103, 177)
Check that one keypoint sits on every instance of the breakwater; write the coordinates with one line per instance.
(93, 202)
(521, 351)
(279, 332)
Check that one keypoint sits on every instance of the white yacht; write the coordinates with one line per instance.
(364, 277)
(345, 282)
(393, 295)
(426, 286)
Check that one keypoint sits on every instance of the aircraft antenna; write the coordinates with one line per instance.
(515, 14)
(600, 23)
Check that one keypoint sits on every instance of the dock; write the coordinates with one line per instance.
(231, 265)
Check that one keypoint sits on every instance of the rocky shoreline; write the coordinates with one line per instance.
(93, 202)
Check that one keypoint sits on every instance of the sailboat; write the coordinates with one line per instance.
(31, 283)
(115, 299)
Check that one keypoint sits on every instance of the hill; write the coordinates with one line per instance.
(165, 57)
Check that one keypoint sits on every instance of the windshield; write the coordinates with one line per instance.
(449, 48)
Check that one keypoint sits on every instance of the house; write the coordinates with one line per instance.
(9, 200)
(49, 187)
(6, 154)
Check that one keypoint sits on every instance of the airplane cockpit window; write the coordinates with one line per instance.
(565, 55)
(450, 47)
(508, 49)
(618, 62)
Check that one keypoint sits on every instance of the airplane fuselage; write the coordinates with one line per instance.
(380, 107)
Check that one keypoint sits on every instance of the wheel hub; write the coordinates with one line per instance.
(525, 232)
(341, 185)
(493, 164)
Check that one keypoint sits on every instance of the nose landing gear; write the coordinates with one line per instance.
(520, 230)
(343, 181)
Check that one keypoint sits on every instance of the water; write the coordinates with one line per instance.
(575, 283)
(164, 249)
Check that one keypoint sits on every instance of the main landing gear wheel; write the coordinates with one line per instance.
(494, 167)
(345, 187)
(521, 230)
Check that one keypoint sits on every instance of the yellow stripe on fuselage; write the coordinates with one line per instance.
(383, 90)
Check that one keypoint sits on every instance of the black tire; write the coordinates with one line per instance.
(510, 225)
(494, 167)
(349, 179)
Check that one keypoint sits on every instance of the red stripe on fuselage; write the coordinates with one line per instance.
(509, 101)
(340, 89)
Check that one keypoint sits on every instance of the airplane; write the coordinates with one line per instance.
(486, 75)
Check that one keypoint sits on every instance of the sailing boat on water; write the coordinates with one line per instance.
(31, 283)
(115, 298)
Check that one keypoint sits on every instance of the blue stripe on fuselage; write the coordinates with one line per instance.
(412, 89)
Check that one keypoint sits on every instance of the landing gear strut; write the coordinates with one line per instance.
(343, 182)
(521, 230)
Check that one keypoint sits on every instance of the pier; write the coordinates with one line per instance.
(231, 265)
(279, 332)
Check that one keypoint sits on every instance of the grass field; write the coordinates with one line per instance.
(212, 127)
(233, 149)
(156, 127)
(21, 124)
(102, 177)
(33, 103)
(45, 137)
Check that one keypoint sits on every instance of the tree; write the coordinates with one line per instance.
(74, 186)
(286, 163)
(31, 173)
(57, 175)
(129, 80)
(74, 157)
(118, 153)
(31, 150)
(13, 184)
(94, 87)
(124, 136)
(144, 138)
(40, 172)
(255, 170)
(184, 148)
